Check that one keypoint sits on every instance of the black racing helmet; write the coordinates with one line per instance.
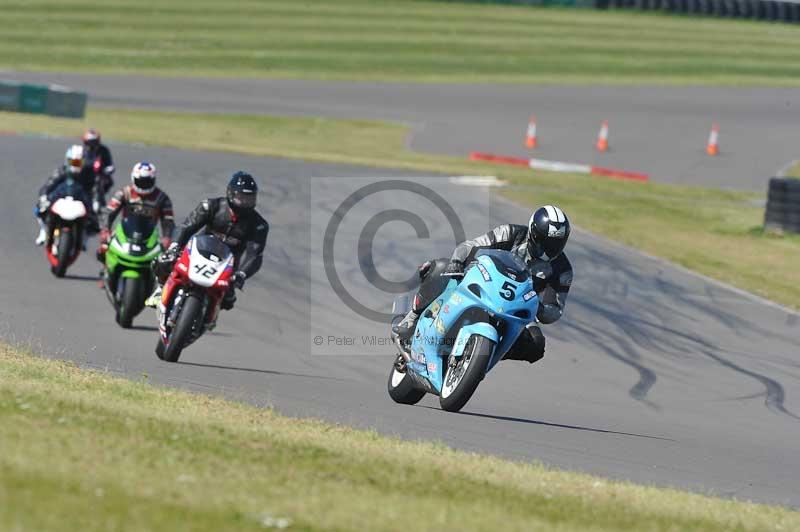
(548, 232)
(91, 138)
(242, 192)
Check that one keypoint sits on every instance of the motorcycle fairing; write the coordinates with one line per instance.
(201, 249)
(68, 208)
(495, 299)
(206, 266)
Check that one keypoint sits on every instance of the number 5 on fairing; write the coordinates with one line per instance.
(507, 291)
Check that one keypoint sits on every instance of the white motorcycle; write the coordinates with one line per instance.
(65, 225)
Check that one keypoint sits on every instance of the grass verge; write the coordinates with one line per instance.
(794, 171)
(714, 232)
(393, 40)
(86, 451)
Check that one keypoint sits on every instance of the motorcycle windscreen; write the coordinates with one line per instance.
(507, 264)
(69, 187)
(138, 229)
(211, 248)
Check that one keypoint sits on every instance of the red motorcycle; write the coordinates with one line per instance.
(191, 296)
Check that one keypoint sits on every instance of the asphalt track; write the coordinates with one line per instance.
(657, 130)
(654, 375)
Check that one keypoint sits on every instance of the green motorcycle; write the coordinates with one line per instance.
(128, 278)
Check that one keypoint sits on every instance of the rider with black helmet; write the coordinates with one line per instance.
(234, 220)
(540, 244)
(98, 158)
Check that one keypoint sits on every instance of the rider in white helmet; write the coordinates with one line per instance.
(74, 168)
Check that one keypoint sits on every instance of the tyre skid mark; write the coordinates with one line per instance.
(647, 333)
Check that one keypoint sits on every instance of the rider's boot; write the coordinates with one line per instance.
(406, 327)
(154, 298)
(228, 300)
(42, 236)
(529, 346)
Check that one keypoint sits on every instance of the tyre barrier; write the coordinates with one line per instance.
(771, 10)
(783, 205)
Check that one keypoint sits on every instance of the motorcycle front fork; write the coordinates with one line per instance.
(210, 310)
(175, 311)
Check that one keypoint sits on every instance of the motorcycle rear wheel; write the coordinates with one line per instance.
(401, 388)
(64, 252)
(190, 313)
(461, 380)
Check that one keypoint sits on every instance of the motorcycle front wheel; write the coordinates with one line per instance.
(190, 314)
(130, 304)
(465, 373)
(63, 253)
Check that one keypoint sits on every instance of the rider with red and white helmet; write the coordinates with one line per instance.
(142, 198)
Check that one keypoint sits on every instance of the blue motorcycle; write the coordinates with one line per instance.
(465, 331)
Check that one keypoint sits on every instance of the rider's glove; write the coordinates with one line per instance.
(171, 254)
(44, 203)
(541, 272)
(238, 279)
(424, 268)
(105, 236)
(454, 269)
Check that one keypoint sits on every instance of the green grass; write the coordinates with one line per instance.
(84, 451)
(393, 40)
(794, 171)
(713, 232)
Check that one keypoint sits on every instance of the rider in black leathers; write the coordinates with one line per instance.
(234, 220)
(540, 245)
(98, 157)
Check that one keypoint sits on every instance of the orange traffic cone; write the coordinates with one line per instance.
(602, 137)
(530, 135)
(712, 148)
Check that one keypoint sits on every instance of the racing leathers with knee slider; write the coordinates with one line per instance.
(245, 234)
(551, 279)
